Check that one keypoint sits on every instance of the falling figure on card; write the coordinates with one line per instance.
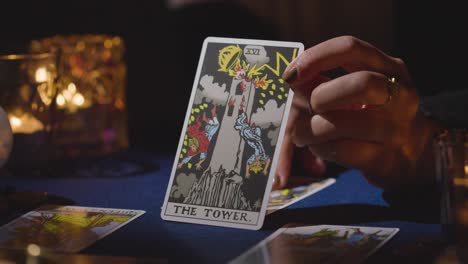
(199, 139)
(252, 135)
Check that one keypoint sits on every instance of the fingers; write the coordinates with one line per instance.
(377, 140)
(300, 104)
(350, 153)
(303, 95)
(358, 88)
(364, 125)
(310, 164)
(347, 52)
(378, 163)
(364, 88)
(303, 132)
(283, 168)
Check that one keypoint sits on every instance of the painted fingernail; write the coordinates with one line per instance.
(290, 75)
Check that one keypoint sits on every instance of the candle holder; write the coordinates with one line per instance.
(27, 93)
(91, 118)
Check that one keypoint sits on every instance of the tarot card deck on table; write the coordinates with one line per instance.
(231, 138)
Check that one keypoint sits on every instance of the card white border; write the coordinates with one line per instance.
(279, 142)
(284, 229)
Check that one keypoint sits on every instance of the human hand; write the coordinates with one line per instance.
(386, 136)
(310, 163)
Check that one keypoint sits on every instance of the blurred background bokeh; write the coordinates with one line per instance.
(163, 41)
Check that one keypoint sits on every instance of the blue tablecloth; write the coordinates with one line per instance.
(350, 201)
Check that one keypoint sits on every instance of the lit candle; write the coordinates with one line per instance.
(41, 75)
(71, 99)
(26, 124)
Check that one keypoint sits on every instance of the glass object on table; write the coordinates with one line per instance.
(6, 138)
(451, 152)
(27, 92)
(91, 117)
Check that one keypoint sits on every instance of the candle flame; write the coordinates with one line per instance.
(78, 99)
(67, 94)
(108, 43)
(116, 40)
(72, 88)
(25, 123)
(41, 75)
(33, 250)
(70, 98)
(15, 122)
(60, 100)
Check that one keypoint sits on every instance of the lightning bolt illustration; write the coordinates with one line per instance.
(279, 58)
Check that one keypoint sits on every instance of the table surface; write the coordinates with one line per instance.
(350, 201)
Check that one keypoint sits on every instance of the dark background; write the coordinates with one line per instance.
(163, 44)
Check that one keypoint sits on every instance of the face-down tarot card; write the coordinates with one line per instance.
(232, 134)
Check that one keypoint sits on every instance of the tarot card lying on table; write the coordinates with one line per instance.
(66, 229)
(232, 134)
(280, 199)
(323, 244)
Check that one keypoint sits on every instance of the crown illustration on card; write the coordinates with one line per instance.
(228, 57)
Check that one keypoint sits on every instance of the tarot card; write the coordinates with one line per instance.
(323, 244)
(66, 229)
(280, 199)
(231, 137)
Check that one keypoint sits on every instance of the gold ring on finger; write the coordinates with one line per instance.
(392, 89)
